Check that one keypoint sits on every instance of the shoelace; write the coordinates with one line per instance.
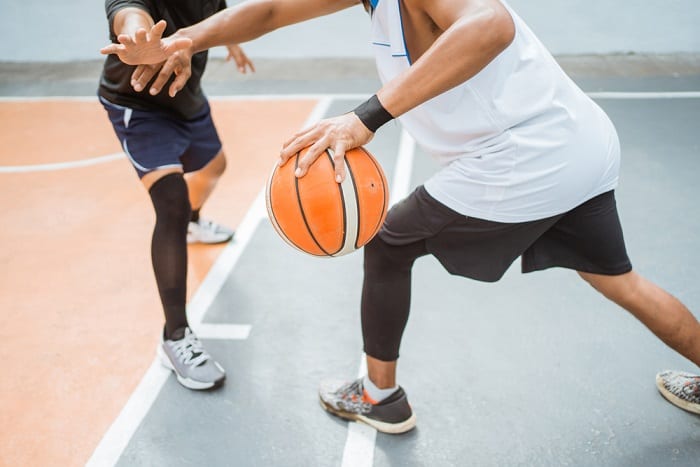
(189, 350)
(350, 389)
(206, 224)
(351, 395)
(688, 386)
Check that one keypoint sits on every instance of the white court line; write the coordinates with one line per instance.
(356, 96)
(359, 444)
(124, 426)
(61, 165)
(322, 106)
(224, 98)
(220, 270)
(266, 97)
(223, 331)
(404, 166)
(645, 95)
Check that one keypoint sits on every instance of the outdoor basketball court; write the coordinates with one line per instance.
(537, 369)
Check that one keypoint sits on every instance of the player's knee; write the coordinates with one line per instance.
(623, 289)
(217, 166)
(380, 257)
(171, 201)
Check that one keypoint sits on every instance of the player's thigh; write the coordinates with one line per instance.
(213, 169)
(204, 153)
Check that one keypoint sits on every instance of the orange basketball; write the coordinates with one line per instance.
(321, 217)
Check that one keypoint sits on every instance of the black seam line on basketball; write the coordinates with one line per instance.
(357, 203)
(342, 203)
(301, 207)
(380, 171)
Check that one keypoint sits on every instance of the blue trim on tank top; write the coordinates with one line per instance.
(403, 36)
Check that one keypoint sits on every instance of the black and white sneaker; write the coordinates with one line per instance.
(350, 401)
(193, 366)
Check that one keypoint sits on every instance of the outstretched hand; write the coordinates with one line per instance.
(339, 134)
(179, 63)
(146, 47)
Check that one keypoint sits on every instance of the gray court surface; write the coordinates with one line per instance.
(535, 370)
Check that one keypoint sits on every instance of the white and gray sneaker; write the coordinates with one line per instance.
(680, 389)
(193, 366)
(206, 231)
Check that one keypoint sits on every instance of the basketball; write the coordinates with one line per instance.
(321, 217)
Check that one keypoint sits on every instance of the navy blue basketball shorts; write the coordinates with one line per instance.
(588, 238)
(155, 140)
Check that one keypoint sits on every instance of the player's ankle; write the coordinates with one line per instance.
(375, 393)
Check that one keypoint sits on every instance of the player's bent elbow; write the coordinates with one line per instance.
(501, 26)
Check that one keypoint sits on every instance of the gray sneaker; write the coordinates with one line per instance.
(193, 366)
(681, 389)
(350, 401)
(206, 231)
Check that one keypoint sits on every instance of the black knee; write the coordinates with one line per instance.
(171, 202)
(380, 256)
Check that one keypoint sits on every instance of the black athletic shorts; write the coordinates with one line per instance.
(155, 140)
(588, 238)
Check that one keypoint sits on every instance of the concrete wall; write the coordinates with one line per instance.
(32, 30)
(609, 26)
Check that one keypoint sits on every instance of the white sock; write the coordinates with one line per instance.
(374, 392)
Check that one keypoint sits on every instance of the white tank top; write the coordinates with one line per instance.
(517, 142)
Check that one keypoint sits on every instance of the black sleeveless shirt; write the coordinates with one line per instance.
(115, 82)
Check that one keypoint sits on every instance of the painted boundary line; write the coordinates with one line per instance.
(117, 437)
(266, 97)
(645, 95)
(116, 156)
(127, 422)
(61, 165)
(359, 444)
(361, 439)
(356, 96)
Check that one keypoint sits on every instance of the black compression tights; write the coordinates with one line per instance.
(169, 247)
(386, 295)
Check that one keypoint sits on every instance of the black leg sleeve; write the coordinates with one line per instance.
(169, 247)
(386, 295)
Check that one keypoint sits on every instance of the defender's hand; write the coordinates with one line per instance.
(180, 64)
(243, 63)
(146, 47)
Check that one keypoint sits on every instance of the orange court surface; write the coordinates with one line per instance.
(78, 293)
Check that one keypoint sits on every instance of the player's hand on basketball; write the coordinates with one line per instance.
(243, 63)
(146, 47)
(179, 64)
(339, 134)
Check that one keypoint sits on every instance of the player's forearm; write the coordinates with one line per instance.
(254, 18)
(241, 23)
(463, 50)
(129, 20)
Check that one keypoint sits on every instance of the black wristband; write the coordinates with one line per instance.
(372, 113)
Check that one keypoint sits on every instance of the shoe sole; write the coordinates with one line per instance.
(675, 400)
(384, 427)
(194, 241)
(189, 383)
